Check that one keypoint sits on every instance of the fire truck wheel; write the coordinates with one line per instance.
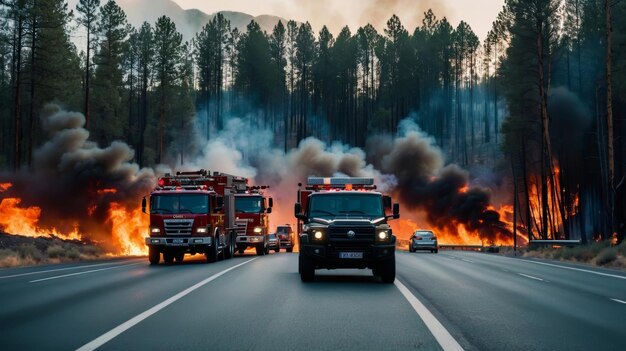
(241, 251)
(289, 249)
(154, 255)
(260, 251)
(387, 270)
(277, 250)
(306, 269)
(229, 250)
(179, 257)
(168, 257)
(211, 253)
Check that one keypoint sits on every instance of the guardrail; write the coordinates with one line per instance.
(554, 242)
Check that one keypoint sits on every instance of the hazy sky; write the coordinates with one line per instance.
(337, 13)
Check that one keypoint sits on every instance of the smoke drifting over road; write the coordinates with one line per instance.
(74, 182)
(77, 184)
(408, 165)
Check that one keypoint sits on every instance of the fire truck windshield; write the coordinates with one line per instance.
(249, 204)
(334, 205)
(179, 203)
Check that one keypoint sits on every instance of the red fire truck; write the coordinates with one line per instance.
(252, 221)
(193, 212)
(342, 223)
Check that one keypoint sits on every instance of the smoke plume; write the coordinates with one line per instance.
(74, 181)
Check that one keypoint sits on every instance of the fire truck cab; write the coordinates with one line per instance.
(190, 213)
(342, 223)
(252, 211)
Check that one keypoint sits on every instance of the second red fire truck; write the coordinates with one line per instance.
(203, 213)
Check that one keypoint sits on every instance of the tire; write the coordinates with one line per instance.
(290, 249)
(387, 270)
(411, 249)
(168, 257)
(153, 255)
(229, 252)
(436, 250)
(211, 253)
(179, 257)
(260, 251)
(241, 251)
(267, 250)
(277, 250)
(306, 269)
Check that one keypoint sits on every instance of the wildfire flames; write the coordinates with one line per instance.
(127, 226)
(460, 234)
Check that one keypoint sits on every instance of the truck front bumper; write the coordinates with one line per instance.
(329, 256)
(250, 240)
(179, 241)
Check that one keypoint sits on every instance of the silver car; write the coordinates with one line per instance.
(423, 240)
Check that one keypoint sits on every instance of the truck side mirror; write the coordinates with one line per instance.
(396, 211)
(387, 201)
(143, 205)
(271, 203)
(298, 212)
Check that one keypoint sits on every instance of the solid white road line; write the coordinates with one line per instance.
(108, 336)
(577, 269)
(530, 276)
(466, 260)
(85, 272)
(620, 301)
(58, 269)
(445, 340)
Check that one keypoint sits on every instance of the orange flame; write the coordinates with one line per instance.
(459, 234)
(127, 225)
(24, 221)
(128, 228)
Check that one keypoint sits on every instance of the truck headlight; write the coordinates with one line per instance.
(155, 230)
(258, 230)
(382, 235)
(202, 230)
(318, 235)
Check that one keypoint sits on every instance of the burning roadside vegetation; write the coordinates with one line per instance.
(77, 190)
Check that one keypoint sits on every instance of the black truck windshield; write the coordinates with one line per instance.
(249, 204)
(179, 203)
(329, 205)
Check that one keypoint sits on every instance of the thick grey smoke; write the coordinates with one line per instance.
(74, 181)
(408, 165)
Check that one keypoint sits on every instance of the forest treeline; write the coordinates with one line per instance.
(545, 88)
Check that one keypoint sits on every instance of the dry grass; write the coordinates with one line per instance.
(600, 254)
(22, 251)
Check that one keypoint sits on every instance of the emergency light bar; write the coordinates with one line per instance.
(340, 181)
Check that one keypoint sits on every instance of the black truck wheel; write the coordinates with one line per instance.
(179, 257)
(306, 269)
(168, 257)
(211, 253)
(229, 251)
(289, 249)
(260, 250)
(153, 255)
(387, 270)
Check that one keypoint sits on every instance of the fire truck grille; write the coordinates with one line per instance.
(178, 226)
(339, 235)
(241, 226)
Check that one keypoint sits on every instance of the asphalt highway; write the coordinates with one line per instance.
(452, 300)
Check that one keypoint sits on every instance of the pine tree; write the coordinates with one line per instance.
(108, 114)
(88, 18)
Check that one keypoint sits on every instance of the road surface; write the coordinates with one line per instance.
(451, 300)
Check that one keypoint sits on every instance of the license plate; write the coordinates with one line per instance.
(350, 255)
(178, 241)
